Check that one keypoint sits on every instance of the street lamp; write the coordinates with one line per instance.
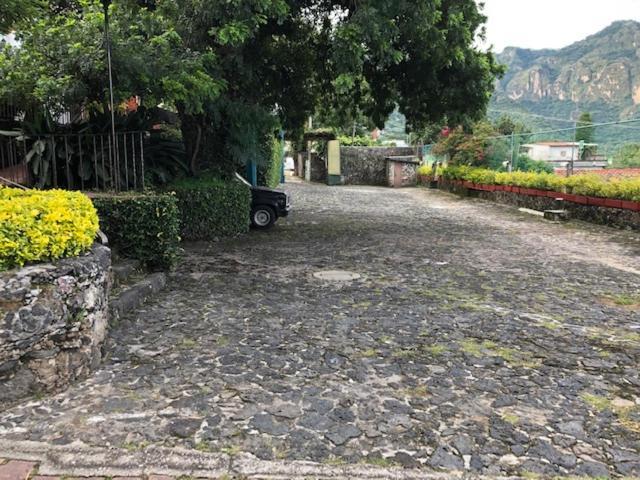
(105, 5)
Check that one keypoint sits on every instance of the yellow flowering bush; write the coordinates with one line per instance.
(44, 225)
(624, 188)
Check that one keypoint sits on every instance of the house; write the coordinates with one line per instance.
(563, 155)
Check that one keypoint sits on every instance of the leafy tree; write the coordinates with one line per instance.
(627, 156)
(61, 62)
(584, 129)
(238, 70)
(466, 148)
(506, 125)
(14, 11)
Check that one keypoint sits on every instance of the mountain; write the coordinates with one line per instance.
(600, 74)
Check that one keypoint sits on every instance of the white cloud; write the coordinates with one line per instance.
(551, 23)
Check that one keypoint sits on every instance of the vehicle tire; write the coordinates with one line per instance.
(263, 217)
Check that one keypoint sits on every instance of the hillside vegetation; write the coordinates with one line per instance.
(600, 74)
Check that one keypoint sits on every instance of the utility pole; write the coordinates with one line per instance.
(107, 39)
(512, 147)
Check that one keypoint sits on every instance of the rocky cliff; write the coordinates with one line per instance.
(600, 74)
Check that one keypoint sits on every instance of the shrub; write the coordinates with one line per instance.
(44, 225)
(626, 188)
(141, 226)
(270, 174)
(424, 170)
(525, 164)
(360, 141)
(210, 207)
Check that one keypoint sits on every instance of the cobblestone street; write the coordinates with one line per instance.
(476, 338)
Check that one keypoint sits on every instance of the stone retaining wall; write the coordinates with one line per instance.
(366, 165)
(53, 320)
(613, 217)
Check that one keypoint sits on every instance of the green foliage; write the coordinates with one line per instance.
(228, 66)
(505, 125)
(488, 145)
(15, 11)
(141, 226)
(361, 141)
(524, 164)
(584, 128)
(165, 158)
(269, 175)
(627, 188)
(424, 170)
(39, 226)
(627, 156)
(466, 148)
(211, 208)
(60, 62)
(607, 97)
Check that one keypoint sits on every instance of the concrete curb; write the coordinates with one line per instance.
(78, 459)
(137, 294)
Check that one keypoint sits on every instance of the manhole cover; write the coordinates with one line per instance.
(336, 275)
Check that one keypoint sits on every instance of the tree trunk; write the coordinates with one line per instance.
(193, 128)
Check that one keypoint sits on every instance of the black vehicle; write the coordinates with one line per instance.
(267, 205)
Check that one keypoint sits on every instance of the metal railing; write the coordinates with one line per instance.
(81, 161)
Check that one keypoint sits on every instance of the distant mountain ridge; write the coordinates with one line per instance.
(600, 74)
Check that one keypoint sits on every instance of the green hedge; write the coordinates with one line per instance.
(141, 226)
(211, 208)
(270, 174)
(361, 141)
(627, 188)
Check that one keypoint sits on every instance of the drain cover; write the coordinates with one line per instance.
(336, 275)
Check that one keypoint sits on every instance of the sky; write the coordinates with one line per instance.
(551, 23)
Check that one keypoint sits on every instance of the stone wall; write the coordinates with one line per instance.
(366, 165)
(613, 217)
(53, 320)
(318, 168)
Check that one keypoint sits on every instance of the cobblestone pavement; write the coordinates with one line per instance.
(477, 338)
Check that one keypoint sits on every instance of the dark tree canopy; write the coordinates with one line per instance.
(237, 70)
(14, 11)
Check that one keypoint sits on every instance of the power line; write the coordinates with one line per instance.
(555, 119)
(517, 112)
(570, 129)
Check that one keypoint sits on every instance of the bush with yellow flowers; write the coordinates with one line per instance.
(38, 226)
(625, 188)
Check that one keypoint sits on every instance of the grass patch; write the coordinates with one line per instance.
(419, 391)
(530, 475)
(231, 450)
(369, 353)
(435, 350)
(134, 446)
(188, 343)
(612, 335)
(405, 353)
(625, 300)
(203, 447)
(487, 348)
(550, 325)
(628, 417)
(511, 418)
(475, 348)
(596, 402)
